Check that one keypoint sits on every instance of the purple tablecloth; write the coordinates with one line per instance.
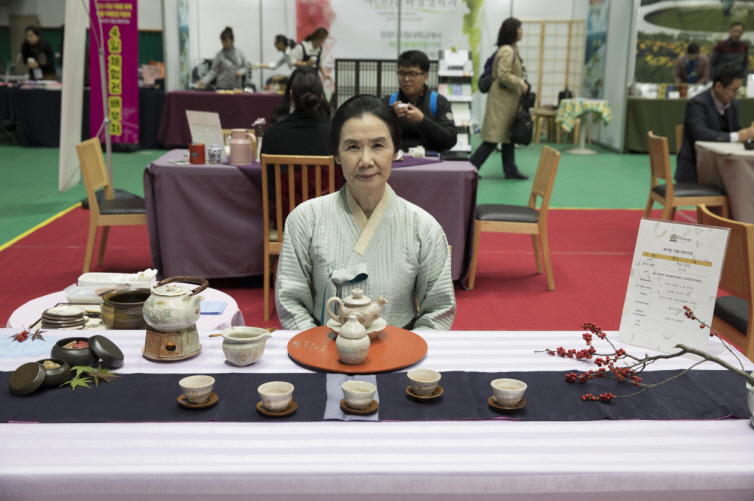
(206, 220)
(236, 111)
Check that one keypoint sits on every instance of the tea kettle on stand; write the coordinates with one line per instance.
(171, 312)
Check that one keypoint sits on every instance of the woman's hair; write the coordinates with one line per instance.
(285, 41)
(227, 34)
(307, 91)
(282, 110)
(359, 106)
(508, 33)
(318, 34)
(36, 31)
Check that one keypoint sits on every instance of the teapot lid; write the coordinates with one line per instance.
(171, 290)
(357, 298)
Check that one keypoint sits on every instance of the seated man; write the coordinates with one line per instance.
(711, 116)
(426, 117)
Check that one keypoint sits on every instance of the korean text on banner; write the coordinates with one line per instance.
(120, 35)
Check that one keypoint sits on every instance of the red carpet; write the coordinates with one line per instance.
(591, 255)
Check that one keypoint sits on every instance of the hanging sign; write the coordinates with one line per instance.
(120, 35)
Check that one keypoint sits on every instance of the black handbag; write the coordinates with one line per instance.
(522, 129)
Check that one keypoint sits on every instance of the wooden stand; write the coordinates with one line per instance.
(171, 346)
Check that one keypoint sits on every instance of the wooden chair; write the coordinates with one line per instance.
(273, 238)
(672, 195)
(733, 314)
(678, 138)
(519, 219)
(110, 212)
(543, 117)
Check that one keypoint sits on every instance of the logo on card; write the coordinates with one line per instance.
(676, 238)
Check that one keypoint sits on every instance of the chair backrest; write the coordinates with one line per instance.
(306, 163)
(659, 162)
(94, 171)
(737, 276)
(544, 179)
(678, 138)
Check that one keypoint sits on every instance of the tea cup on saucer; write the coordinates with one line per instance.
(358, 394)
(423, 381)
(276, 395)
(508, 392)
(197, 388)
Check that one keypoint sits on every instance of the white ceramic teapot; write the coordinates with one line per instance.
(173, 308)
(357, 304)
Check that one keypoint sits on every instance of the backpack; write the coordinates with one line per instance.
(432, 101)
(485, 81)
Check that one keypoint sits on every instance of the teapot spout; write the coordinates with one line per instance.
(382, 300)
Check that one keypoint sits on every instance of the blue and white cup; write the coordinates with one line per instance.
(215, 154)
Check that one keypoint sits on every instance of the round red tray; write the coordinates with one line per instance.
(393, 349)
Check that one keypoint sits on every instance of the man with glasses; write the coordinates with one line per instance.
(426, 117)
(711, 116)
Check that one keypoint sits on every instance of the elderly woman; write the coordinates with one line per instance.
(229, 65)
(365, 236)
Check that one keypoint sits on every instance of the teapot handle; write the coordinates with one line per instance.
(333, 299)
(203, 284)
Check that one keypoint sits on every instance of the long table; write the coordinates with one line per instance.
(36, 115)
(332, 460)
(661, 116)
(206, 220)
(731, 167)
(235, 110)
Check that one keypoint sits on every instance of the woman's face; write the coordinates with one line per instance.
(31, 38)
(519, 34)
(227, 43)
(317, 42)
(366, 153)
(280, 46)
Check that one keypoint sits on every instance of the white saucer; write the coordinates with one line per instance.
(372, 331)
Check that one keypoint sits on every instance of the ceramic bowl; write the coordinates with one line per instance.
(74, 357)
(508, 392)
(358, 394)
(244, 345)
(56, 377)
(423, 381)
(125, 309)
(276, 395)
(197, 388)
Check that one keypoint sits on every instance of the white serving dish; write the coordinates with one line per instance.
(100, 279)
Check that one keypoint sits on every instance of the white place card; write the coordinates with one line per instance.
(674, 265)
(205, 128)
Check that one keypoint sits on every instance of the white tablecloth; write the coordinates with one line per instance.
(502, 459)
(32, 311)
(731, 167)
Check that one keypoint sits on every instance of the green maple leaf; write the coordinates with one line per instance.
(82, 368)
(78, 382)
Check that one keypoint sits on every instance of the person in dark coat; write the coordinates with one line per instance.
(419, 126)
(38, 55)
(302, 132)
(731, 51)
(711, 116)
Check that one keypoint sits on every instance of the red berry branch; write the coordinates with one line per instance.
(608, 363)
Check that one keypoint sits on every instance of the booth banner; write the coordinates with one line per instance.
(121, 43)
(594, 57)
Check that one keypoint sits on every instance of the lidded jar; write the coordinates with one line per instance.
(352, 342)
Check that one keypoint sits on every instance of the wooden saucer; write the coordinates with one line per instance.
(501, 408)
(212, 400)
(438, 391)
(360, 412)
(287, 412)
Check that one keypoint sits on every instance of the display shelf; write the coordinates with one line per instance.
(455, 75)
(459, 99)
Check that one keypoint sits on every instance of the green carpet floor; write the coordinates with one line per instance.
(29, 192)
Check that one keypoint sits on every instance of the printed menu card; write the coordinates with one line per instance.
(674, 265)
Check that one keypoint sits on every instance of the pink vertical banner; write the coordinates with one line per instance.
(120, 33)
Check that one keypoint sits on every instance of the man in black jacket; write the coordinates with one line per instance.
(711, 116)
(413, 104)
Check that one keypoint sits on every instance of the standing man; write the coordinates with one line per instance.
(711, 116)
(426, 117)
(731, 51)
(692, 67)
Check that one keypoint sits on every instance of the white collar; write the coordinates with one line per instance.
(367, 226)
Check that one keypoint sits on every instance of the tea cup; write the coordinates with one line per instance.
(197, 388)
(508, 392)
(423, 381)
(276, 395)
(358, 394)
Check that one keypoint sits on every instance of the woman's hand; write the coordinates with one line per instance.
(33, 64)
(239, 73)
(200, 85)
(524, 86)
